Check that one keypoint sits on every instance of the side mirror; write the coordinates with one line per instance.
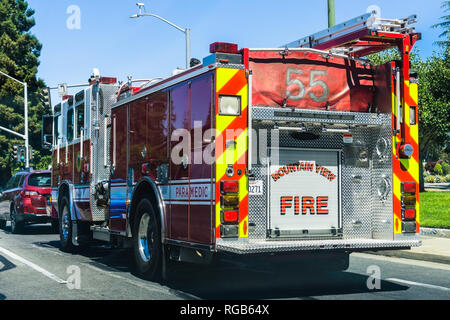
(47, 132)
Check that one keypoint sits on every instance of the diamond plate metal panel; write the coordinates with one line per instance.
(365, 214)
(103, 100)
(382, 207)
(261, 246)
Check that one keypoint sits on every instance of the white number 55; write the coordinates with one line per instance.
(313, 82)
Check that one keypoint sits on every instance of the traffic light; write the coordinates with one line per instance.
(16, 152)
(31, 153)
(45, 93)
(22, 153)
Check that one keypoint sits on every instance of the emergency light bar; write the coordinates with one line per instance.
(223, 47)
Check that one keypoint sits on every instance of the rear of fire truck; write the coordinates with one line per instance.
(332, 158)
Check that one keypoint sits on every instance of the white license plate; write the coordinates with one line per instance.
(255, 188)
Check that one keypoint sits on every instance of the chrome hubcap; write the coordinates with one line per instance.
(145, 238)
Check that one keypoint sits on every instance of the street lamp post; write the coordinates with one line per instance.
(186, 31)
(25, 135)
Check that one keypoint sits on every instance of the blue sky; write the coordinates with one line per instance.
(146, 47)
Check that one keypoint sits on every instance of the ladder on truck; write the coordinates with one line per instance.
(361, 36)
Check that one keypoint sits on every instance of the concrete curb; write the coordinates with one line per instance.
(433, 232)
(413, 255)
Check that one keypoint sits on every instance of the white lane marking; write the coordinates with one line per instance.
(420, 263)
(32, 265)
(413, 283)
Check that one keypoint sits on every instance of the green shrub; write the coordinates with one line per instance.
(429, 179)
(446, 178)
(437, 179)
(438, 169)
(445, 168)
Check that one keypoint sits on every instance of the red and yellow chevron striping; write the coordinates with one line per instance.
(232, 82)
(405, 170)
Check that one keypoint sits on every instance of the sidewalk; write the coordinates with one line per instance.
(445, 187)
(433, 249)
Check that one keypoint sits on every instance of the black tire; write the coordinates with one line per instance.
(147, 243)
(65, 227)
(55, 225)
(16, 226)
(2, 224)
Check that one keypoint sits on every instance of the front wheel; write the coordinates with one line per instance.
(65, 227)
(2, 224)
(147, 241)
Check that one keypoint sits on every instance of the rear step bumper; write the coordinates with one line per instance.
(253, 246)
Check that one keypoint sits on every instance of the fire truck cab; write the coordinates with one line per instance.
(302, 151)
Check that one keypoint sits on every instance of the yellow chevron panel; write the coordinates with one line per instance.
(223, 76)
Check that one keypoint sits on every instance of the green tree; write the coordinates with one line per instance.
(434, 104)
(19, 58)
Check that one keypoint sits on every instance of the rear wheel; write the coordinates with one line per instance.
(16, 226)
(147, 241)
(65, 227)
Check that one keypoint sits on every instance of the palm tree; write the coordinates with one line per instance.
(445, 24)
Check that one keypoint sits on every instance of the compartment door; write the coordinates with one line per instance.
(304, 193)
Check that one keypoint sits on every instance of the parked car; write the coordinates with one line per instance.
(28, 194)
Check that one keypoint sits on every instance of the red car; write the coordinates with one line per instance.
(28, 195)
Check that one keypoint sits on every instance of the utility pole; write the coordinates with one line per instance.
(331, 15)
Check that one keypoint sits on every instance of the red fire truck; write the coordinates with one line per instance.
(305, 152)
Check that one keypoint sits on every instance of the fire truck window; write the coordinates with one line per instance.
(201, 103)
(56, 126)
(70, 125)
(80, 119)
(59, 127)
(138, 132)
(158, 125)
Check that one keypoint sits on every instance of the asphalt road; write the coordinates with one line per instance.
(33, 267)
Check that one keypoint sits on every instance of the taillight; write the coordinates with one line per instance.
(229, 187)
(230, 216)
(28, 193)
(408, 201)
(229, 201)
(408, 214)
(408, 187)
